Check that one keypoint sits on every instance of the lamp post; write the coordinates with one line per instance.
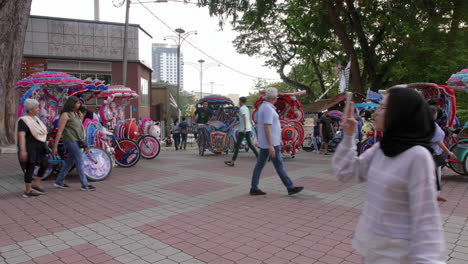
(201, 68)
(201, 77)
(179, 39)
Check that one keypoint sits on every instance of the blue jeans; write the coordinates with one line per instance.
(74, 158)
(279, 167)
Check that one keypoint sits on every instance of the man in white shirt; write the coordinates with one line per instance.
(245, 130)
(269, 140)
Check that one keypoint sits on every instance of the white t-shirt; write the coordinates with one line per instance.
(244, 110)
(267, 115)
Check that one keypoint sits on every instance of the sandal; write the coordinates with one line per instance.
(229, 163)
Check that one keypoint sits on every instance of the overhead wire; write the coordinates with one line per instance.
(201, 51)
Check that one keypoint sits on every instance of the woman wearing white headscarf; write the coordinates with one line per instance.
(32, 135)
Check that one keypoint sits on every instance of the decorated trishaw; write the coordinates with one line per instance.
(215, 135)
(291, 117)
(458, 141)
(124, 137)
(51, 89)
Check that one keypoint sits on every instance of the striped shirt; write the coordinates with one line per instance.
(401, 196)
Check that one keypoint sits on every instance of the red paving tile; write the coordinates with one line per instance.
(195, 187)
(244, 166)
(24, 219)
(455, 189)
(322, 185)
(277, 229)
(84, 253)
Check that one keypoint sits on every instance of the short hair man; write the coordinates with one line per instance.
(269, 139)
(203, 114)
(245, 130)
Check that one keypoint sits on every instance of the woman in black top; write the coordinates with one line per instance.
(32, 135)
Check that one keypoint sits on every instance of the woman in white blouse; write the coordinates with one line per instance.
(400, 222)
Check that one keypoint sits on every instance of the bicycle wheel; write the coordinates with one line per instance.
(97, 164)
(149, 147)
(47, 173)
(307, 144)
(201, 143)
(365, 145)
(455, 166)
(54, 164)
(126, 153)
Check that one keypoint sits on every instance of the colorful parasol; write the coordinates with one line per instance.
(95, 85)
(118, 91)
(445, 98)
(459, 80)
(335, 114)
(54, 80)
(216, 99)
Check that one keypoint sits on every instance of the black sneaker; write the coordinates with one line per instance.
(295, 190)
(257, 192)
(37, 189)
(88, 188)
(61, 186)
(30, 194)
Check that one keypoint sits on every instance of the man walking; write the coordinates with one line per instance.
(245, 130)
(269, 139)
(326, 133)
(183, 127)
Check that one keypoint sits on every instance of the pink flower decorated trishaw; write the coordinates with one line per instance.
(50, 89)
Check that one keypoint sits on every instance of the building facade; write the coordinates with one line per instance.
(91, 49)
(165, 64)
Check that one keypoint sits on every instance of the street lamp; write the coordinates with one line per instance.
(179, 39)
(201, 68)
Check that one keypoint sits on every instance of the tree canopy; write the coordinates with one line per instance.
(388, 42)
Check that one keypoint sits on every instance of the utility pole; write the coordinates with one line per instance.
(211, 87)
(125, 45)
(96, 10)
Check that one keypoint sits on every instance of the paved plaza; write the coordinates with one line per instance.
(182, 208)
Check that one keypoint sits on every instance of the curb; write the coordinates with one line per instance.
(11, 149)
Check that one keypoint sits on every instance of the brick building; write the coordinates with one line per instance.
(86, 48)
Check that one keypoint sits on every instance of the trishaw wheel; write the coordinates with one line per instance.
(47, 173)
(365, 145)
(97, 164)
(201, 144)
(231, 144)
(307, 144)
(459, 168)
(126, 153)
(466, 165)
(149, 147)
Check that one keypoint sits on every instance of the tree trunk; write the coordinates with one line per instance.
(293, 83)
(13, 24)
(348, 45)
(317, 71)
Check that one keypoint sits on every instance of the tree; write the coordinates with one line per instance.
(385, 40)
(14, 15)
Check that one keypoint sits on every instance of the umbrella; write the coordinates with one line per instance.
(54, 80)
(459, 79)
(216, 99)
(95, 85)
(118, 91)
(335, 114)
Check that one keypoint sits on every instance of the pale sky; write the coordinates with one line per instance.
(210, 39)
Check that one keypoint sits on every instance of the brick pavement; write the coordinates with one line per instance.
(181, 208)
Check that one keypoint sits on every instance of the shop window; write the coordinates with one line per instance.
(144, 92)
